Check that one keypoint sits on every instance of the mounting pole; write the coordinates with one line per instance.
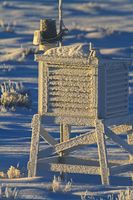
(60, 21)
(64, 128)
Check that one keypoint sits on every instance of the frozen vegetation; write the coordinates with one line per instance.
(14, 94)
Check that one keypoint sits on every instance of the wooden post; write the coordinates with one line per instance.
(32, 164)
(100, 129)
(64, 134)
(61, 138)
(130, 142)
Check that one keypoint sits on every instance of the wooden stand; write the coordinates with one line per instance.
(80, 107)
(67, 145)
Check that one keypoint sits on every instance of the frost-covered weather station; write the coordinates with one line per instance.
(77, 87)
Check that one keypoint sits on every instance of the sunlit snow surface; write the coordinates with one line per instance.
(107, 24)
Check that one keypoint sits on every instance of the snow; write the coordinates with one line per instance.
(72, 51)
(109, 26)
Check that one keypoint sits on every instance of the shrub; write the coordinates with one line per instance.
(58, 186)
(2, 175)
(68, 186)
(14, 94)
(13, 173)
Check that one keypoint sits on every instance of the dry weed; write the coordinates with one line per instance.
(13, 173)
(2, 175)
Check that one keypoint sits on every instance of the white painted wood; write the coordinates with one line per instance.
(113, 76)
(62, 90)
(80, 169)
(74, 120)
(118, 140)
(121, 129)
(32, 164)
(69, 62)
(86, 138)
(42, 88)
(130, 142)
(103, 160)
(64, 135)
(44, 134)
(66, 130)
(77, 91)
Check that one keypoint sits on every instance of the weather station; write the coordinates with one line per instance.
(77, 87)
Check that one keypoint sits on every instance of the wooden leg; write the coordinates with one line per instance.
(32, 164)
(61, 133)
(102, 152)
(61, 137)
(64, 134)
(130, 141)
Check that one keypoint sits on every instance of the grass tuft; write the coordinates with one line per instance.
(14, 94)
